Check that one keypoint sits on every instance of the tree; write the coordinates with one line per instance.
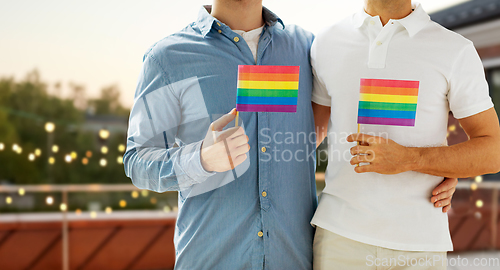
(109, 102)
(25, 107)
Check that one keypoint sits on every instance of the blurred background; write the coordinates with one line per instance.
(67, 79)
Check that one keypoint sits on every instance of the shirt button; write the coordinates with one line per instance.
(260, 234)
(236, 39)
(264, 194)
(379, 43)
(218, 23)
(263, 149)
(372, 22)
(220, 31)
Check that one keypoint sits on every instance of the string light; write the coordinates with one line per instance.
(452, 128)
(93, 214)
(52, 160)
(153, 200)
(38, 152)
(478, 215)
(166, 209)
(135, 194)
(88, 154)
(473, 186)
(104, 134)
(103, 162)
(479, 203)
(121, 148)
(50, 127)
(21, 191)
(123, 203)
(78, 212)
(67, 158)
(2, 146)
(63, 207)
(104, 150)
(175, 208)
(8, 200)
(55, 148)
(144, 193)
(478, 179)
(16, 148)
(108, 210)
(73, 155)
(119, 160)
(31, 157)
(85, 161)
(49, 200)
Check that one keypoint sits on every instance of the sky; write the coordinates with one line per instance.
(101, 43)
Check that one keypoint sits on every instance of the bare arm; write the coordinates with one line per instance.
(479, 155)
(321, 118)
(442, 194)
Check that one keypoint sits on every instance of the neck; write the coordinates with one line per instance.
(388, 9)
(243, 15)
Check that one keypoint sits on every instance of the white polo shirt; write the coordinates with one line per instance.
(392, 211)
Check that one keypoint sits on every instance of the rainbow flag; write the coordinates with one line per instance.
(388, 102)
(267, 88)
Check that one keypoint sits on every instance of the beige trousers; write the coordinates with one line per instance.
(332, 251)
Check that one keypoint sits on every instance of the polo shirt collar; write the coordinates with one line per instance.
(416, 21)
(360, 18)
(413, 23)
(206, 21)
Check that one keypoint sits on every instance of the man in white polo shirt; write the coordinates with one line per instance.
(392, 69)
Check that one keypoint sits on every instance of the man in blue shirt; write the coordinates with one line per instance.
(255, 216)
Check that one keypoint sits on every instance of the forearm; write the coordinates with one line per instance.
(321, 119)
(163, 170)
(477, 156)
(320, 135)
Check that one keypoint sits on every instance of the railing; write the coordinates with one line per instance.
(65, 189)
(464, 211)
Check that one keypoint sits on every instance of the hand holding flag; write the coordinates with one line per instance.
(387, 103)
(224, 150)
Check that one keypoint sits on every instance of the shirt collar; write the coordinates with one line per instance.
(206, 21)
(416, 21)
(413, 23)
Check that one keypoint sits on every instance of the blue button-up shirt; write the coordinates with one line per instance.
(257, 215)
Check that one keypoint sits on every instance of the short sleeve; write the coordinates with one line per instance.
(468, 94)
(320, 93)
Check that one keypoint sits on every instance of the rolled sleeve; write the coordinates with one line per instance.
(190, 161)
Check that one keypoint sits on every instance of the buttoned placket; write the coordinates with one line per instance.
(264, 149)
(380, 38)
(263, 124)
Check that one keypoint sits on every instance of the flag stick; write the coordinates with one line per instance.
(214, 135)
(358, 142)
(237, 118)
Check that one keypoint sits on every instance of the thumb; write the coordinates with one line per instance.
(220, 123)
